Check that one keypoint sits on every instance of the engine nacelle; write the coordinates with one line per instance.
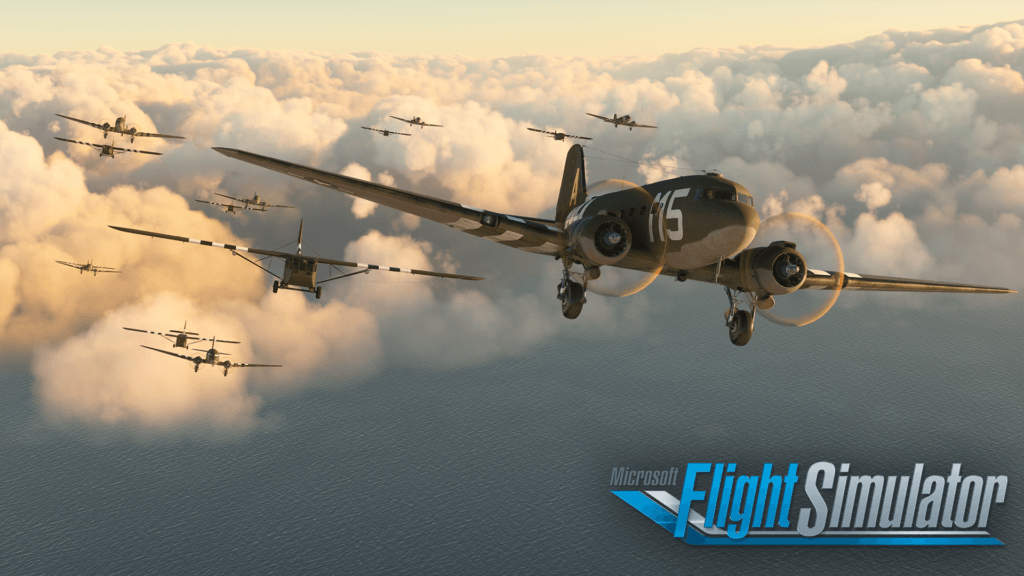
(601, 240)
(106, 125)
(777, 269)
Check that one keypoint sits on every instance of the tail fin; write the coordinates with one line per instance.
(300, 237)
(574, 184)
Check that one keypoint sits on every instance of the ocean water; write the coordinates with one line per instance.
(503, 468)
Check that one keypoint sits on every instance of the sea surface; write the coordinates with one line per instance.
(503, 467)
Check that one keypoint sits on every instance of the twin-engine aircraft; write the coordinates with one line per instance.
(417, 121)
(385, 131)
(299, 270)
(109, 150)
(617, 121)
(254, 203)
(120, 127)
(181, 338)
(558, 135)
(228, 208)
(212, 357)
(692, 227)
(88, 267)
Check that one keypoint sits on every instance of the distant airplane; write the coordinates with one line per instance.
(228, 208)
(416, 121)
(299, 270)
(621, 121)
(559, 135)
(254, 203)
(120, 127)
(182, 338)
(386, 132)
(213, 359)
(88, 267)
(109, 149)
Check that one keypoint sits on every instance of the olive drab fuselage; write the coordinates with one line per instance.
(683, 223)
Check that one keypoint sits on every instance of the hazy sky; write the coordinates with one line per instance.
(482, 29)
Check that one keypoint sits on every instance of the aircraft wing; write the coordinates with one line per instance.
(225, 196)
(826, 280)
(393, 269)
(73, 265)
(233, 365)
(643, 126)
(216, 203)
(601, 117)
(93, 124)
(96, 146)
(152, 135)
(182, 356)
(211, 339)
(434, 125)
(580, 137)
(518, 232)
(111, 271)
(402, 119)
(139, 151)
(202, 242)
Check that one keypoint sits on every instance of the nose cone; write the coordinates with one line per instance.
(745, 222)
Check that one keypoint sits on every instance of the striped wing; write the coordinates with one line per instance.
(72, 264)
(137, 151)
(525, 234)
(395, 269)
(96, 146)
(152, 135)
(233, 365)
(202, 242)
(182, 356)
(826, 280)
(190, 338)
(93, 124)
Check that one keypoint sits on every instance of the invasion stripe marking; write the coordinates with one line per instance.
(819, 272)
(471, 208)
(507, 236)
(321, 183)
(514, 219)
(852, 275)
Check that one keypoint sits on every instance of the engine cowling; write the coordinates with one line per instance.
(777, 269)
(601, 240)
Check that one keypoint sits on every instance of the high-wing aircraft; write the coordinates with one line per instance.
(386, 132)
(120, 127)
(89, 267)
(299, 270)
(558, 135)
(228, 208)
(212, 357)
(109, 149)
(254, 203)
(692, 227)
(416, 121)
(617, 121)
(181, 338)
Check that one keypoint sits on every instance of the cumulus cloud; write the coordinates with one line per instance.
(906, 144)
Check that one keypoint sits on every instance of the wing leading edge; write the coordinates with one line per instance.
(826, 280)
(518, 232)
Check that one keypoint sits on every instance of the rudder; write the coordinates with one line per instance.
(574, 184)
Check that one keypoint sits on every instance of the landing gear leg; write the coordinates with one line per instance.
(739, 322)
(318, 292)
(276, 286)
(572, 294)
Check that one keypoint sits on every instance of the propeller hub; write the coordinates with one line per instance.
(612, 237)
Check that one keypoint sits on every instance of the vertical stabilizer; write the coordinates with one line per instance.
(300, 237)
(574, 184)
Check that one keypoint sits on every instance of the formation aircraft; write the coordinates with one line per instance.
(212, 357)
(109, 149)
(692, 227)
(386, 132)
(228, 208)
(181, 338)
(120, 127)
(88, 267)
(559, 135)
(299, 271)
(254, 203)
(617, 121)
(416, 121)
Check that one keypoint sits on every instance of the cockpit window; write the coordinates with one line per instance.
(711, 194)
(748, 200)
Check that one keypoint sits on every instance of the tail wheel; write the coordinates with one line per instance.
(741, 327)
(276, 286)
(318, 288)
(572, 300)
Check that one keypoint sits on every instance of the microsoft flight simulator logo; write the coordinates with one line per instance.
(844, 509)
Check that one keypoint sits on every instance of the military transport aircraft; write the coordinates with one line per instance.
(559, 135)
(417, 121)
(228, 208)
(254, 203)
(212, 358)
(617, 121)
(182, 338)
(109, 149)
(120, 127)
(692, 227)
(386, 132)
(299, 270)
(88, 267)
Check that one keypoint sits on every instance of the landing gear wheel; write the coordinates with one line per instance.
(276, 286)
(741, 327)
(197, 367)
(318, 292)
(571, 295)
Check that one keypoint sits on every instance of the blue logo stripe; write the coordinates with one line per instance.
(649, 508)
